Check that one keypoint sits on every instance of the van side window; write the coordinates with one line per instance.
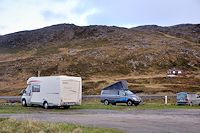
(122, 93)
(105, 92)
(110, 92)
(115, 92)
(36, 88)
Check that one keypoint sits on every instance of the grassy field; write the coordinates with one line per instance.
(94, 104)
(11, 125)
(31, 126)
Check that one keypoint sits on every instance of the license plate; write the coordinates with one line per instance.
(69, 103)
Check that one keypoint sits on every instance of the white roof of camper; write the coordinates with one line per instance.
(35, 79)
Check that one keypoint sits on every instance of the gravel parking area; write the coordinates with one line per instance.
(133, 121)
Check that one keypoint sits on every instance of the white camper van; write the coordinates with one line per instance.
(52, 91)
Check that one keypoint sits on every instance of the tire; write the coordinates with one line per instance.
(24, 103)
(67, 107)
(136, 104)
(106, 102)
(45, 105)
(190, 104)
(113, 103)
(129, 103)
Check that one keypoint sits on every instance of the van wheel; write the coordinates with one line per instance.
(45, 105)
(106, 102)
(24, 103)
(190, 104)
(136, 104)
(113, 103)
(129, 103)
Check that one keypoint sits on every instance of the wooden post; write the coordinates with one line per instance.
(39, 71)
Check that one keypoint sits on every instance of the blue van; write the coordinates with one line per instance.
(119, 93)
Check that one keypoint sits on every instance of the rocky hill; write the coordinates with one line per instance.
(186, 31)
(103, 54)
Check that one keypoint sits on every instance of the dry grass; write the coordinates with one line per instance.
(32, 126)
(147, 84)
(3, 101)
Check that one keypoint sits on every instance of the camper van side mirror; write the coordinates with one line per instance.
(22, 92)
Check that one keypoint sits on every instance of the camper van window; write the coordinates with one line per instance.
(36, 88)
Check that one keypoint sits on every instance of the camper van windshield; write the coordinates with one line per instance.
(128, 92)
(28, 89)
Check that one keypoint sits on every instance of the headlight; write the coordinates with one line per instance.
(139, 98)
(135, 99)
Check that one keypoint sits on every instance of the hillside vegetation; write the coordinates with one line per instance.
(103, 54)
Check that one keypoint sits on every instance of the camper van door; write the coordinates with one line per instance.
(28, 94)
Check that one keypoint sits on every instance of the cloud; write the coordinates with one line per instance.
(147, 12)
(128, 25)
(17, 15)
(68, 12)
(32, 14)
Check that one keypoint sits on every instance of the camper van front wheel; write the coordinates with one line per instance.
(45, 105)
(24, 103)
(106, 102)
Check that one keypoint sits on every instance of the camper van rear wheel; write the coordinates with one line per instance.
(129, 103)
(67, 107)
(45, 105)
(106, 102)
(24, 103)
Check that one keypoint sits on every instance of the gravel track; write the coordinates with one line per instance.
(134, 121)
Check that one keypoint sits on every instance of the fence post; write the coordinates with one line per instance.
(39, 71)
(165, 99)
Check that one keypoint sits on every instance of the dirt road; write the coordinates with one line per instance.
(135, 121)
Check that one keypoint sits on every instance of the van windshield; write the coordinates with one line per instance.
(128, 92)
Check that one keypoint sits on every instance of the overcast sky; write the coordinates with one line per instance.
(18, 15)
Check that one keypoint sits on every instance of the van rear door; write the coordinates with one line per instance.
(181, 98)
